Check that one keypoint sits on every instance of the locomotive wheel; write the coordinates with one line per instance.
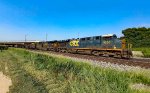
(64, 51)
(111, 55)
(95, 53)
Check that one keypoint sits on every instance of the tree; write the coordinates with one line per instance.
(139, 37)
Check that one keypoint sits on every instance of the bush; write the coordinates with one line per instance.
(145, 50)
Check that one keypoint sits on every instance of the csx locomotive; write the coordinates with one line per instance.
(105, 45)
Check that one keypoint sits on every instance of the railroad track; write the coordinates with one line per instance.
(144, 63)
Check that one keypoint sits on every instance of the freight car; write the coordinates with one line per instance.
(105, 45)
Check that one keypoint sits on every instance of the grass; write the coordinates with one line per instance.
(146, 51)
(39, 73)
(22, 81)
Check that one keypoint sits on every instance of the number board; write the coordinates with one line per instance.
(107, 42)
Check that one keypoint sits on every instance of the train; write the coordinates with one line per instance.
(103, 45)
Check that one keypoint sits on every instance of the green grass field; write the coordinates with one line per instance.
(146, 51)
(38, 73)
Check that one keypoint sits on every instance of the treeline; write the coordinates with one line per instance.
(138, 37)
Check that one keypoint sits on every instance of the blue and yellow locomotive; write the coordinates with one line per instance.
(105, 45)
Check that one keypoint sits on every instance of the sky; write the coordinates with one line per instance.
(63, 19)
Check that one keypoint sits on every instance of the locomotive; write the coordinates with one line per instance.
(104, 45)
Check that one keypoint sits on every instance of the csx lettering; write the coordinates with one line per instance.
(74, 43)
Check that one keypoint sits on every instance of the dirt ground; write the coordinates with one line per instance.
(5, 82)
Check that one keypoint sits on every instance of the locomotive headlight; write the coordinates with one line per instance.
(115, 47)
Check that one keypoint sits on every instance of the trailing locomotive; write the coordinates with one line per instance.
(105, 45)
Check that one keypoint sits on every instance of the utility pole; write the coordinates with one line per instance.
(78, 34)
(26, 38)
(46, 36)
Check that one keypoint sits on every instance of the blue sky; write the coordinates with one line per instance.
(63, 19)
